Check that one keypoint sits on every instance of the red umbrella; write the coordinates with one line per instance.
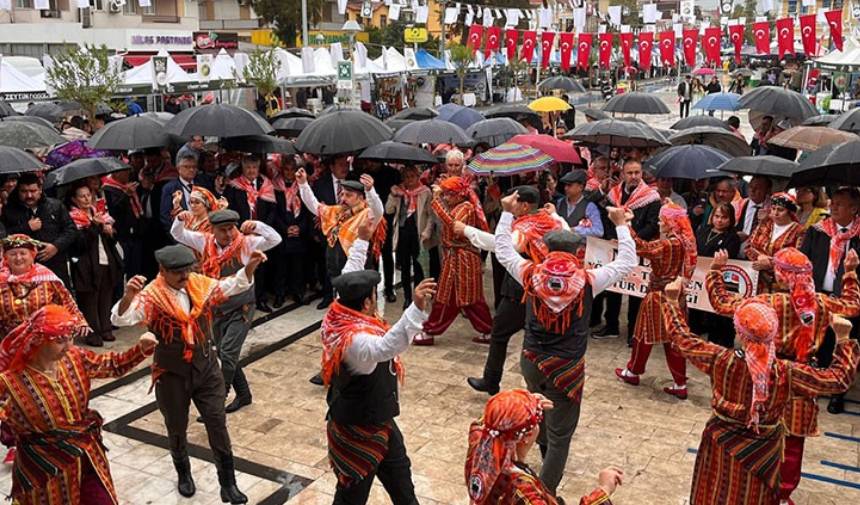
(560, 150)
(704, 71)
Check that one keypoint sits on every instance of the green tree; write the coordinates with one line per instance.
(285, 16)
(261, 71)
(391, 35)
(84, 75)
(461, 58)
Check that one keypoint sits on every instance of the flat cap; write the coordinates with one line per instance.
(564, 240)
(352, 186)
(527, 194)
(356, 285)
(223, 216)
(175, 257)
(575, 176)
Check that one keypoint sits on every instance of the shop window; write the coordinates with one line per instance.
(24, 4)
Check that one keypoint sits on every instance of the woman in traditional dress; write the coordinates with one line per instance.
(779, 230)
(201, 202)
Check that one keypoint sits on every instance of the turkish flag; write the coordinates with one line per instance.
(646, 46)
(511, 36)
(528, 50)
(711, 44)
(807, 33)
(667, 48)
(761, 34)
(736, 35)
(476, 33)
(565, 46)
(605, 49)
(785, 36)
(626, 43)
(691, 39)
(494, 34)
(583, 50)
(834, 21)
(546, 39)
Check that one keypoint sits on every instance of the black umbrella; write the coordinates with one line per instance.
(688, 162)
(432, 131)
(822, 120)
(7, 110)
(848, 121)
(514, 111)
(594, 114)
(396, 124)
(28, 135)
(833, 165)
(83, 168)
(342, 131)
(495, 131)
(29, 119)
(776, 101)
(135, 132)
(217, 120)
(259, 144)
(415, 113)
(291, 126)
(50, 111)
(292, 112)
(636, 103)
(718, 138)
(14, 160)
(768, 166)
(561, 82)
(70, 106)
(397, 152)
(701, 120)
(161, 117)
(617, 133)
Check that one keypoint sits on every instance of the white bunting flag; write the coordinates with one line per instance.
(421, 14)
(649, 13)
(615, 15)
(451, 15)
(394, 12)
(41, 5)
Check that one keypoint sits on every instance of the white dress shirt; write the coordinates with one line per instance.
(264, 238)
(830, 274)
(749, 216)
(486, 241)
(311, 202)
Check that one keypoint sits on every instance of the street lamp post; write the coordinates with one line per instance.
(304, 23)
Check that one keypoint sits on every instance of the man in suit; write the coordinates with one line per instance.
(125, 207)
(327, 189)
(755, 206)
(685, 95)
(826, 244)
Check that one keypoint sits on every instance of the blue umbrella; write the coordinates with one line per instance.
(463, 117)
(688, 162)
(719, 101)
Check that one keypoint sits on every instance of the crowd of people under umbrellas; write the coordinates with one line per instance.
(190, 242)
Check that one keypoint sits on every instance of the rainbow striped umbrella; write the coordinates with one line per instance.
(508, 159)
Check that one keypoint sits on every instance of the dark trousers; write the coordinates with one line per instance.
(290, 274)
(394, 472)
(435, 263)
(498, 276)
(174, 394)
(613, 311)
(685, 108)
(96, 305)
(387, 254)
(720, 329)
(230, 331)
(408, 249)
(132, 258)
(510, 318)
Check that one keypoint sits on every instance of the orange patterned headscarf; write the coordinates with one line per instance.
(757, 323)
(793, 269)
(49, 323)
(556, 287)
(508, 417)
(461, 186)
(676, 219)
(339, 326)
(528, 232)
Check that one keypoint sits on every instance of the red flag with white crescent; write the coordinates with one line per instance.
(736, 35)
(565, 47)
(834, 21)
(476, 33)
(626, 43)
(761, 34)
(529, 41)
(785, 36)
(807, 34)
(511, 36)
(711, 44)
(546, 39)
(646, 46)
(583, 50)
(494, 33)
(667, 48)
(605, 49)
(690, 40)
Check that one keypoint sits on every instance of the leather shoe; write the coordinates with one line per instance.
(279, 302)
(237, 403)
(406, 303)
(479, 384)
(324, 303)
(836, 405)
(317, 380)
(679, 393)
(263, 307)
(633, 380)
(108, 337)
(390, 297)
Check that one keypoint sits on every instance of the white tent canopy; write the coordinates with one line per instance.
(14, 81)
(392, 61)
(223, 67)
(849, 56)
(143, 73)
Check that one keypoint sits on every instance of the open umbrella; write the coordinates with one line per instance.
(161, 117)
(704, 71)
(71, 151)
(217, 120)
(561, 82)
(509, 159)
(342, 131)
(14, 160)
(29, 119)
(432, 131)
(70, 106)
(742, 71)
(396, 124)
(718, 138)
(292, 112)
(134, 132)
(83, 168)
(549, 104)
(495, 131)
(617, 133)
(416, 113)
(291, 126)
(397, 152)
(810, 138)
(7, 110)
(834, 165)
(768, 166)
(28, 135)
(594, 114)
(776, 101)
(719, 101)
(560, 150)
(259, 144)
(699, 120)
(514, 111)
(636, 102)
(47, 110)
(463, 117)
(848, 121)
(822, 120)
(688, 162)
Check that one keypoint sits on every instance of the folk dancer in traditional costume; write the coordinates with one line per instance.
(362, 368)
(200, 203)
(529, 227)
(461, 286)
(804, 315)
(223, 252)
(738, 461)
(558, 295)
(45, 393)
(177, 307)
(671, 255)
(496, 471)
(779, 230)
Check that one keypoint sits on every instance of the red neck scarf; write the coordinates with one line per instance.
(411, 197)
(83, 218)
(339, 326)
(642, 195)
(531, 228)
(292, 199)
(556, 286)
(838, 240)
(36, 274)
(213, 260)
(265, 193)
(128, 189)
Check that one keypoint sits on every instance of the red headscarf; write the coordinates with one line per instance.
(556, 285)
(756, 323)
(461, 186)
(48, 324)
(530, 230)
(676, 219)
(793, 269)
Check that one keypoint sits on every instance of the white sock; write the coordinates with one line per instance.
(628, 373)
(676, 386)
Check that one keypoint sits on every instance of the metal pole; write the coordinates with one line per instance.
(442, 35)
(304, 23)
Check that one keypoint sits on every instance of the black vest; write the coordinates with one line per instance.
(238, 300)
(364, 399)
(169, 356)
(576, 215)
(569, 345)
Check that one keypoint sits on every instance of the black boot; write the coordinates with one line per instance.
(185, 483)
(227, 479)
(243, 392)
(486, 384)
(317, 380)
(836, 404)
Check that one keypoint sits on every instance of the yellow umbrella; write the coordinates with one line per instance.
(549, 104)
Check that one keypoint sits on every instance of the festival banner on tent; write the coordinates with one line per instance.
(667, 48)
(605, 49)
(807, 33)
(546, 39)
(529, 42)
(584, 49)
(646, 46)
(711, 44)
(736, 35)
(834, 21)
(494, 33)
(565, 47)
(738, 275)
(761, 33)
(691, 37)
(785, 36)
(476, 33)
(511, 36)
(626, 43)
